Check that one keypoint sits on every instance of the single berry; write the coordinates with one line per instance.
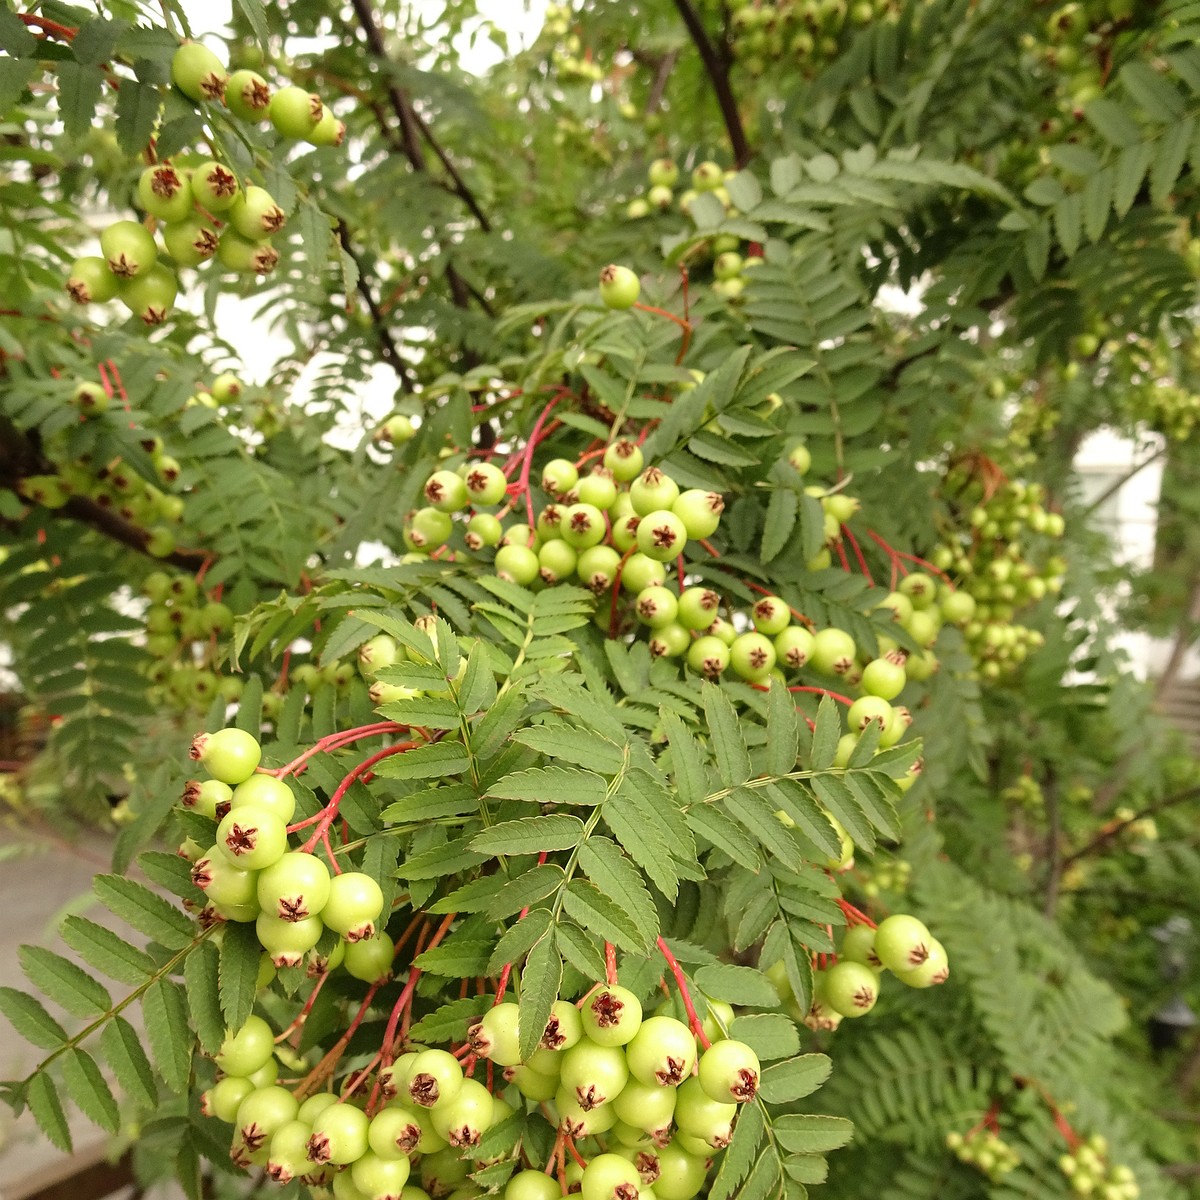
(698, 607)
(583, 526)
(339, 1135)
(708, 656)
(150, 295)
(662, 1052)
(354, 905)
(593, 1074)
(230, 755)
(225, 884)
(223, 1099)
(266, 792)
(833, 652)
(934, 970)
(611, 1016)
(517, 564)
(640, 572)
(619, 287)
(255, 214)
(661, 535)
(165, 193)
(247, 95)
(463, 1118)
(624, 459)
(559, 476)
(370, 959)
(434, 1077)
(294, 888)
(214, 187)
(770, 615)
(239, 254)
(700, 512)
(128, 248)
(652, 490)
(699, 1116)
(251, 838)
(295, 112)
(794, 647)
(485, 483)
(191, 241)
(374, 1178)
(90, 281)
(446, 491)
(244, 1052)
(598, 488)
(902, 942)
(197, 72)
(851, 988)
(729, 1072)
(752, 656)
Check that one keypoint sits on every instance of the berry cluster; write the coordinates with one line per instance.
(1091, 1174)
(850, 986)
(203, 208)
(111, 483)
(567, 55)
(807, 32)
(250, 874)
(990, 564)
(886, 875)
(985, 1149)
(181, 627)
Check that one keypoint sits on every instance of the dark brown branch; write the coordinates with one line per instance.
(412, 127)
(1115, 830)
(21, 458)
(388, 350)
(717, 67)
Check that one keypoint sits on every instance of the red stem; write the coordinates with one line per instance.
(502, 984)
(531, 445)
(51, 28)
(676, 970)
(816, 691)
(335, 741)
(330, 812)
(854, 916)
(610, 964)
(862, 562)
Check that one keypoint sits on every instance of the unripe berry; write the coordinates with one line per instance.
(556, 561)
(593, 1074)
(150, 295)
(354, 904)
(661, 535)
(698, 607)
(394, 1133)
(902, 943)
(640, 572)
(255, 215)
(370, 959)
(226, 885)
(670, 641)
(619, 287)
(834, 651)
(611, 1016)
(885, 677)
(700, 512)
(295, 112)
(496, 1036)
(598, 488)
(583, 526)
(339, 1135)
(646, 1107)
(230, 755)
(610, 1177)
(656, 607)
(597, 567)
(559, 476)
(485, 484)
(128, 248)
(708, 656)
(624, 459)
(263, 1112)
(934, 970)
(247, 96)
(729, 1072)
(197, 72)
(462, 1118)
(752, 656)
(377, 1178)
(434, 1078)
(246, 257)
(663, 173)
(867, 710)
(90, 281)
(191, 241)
(662, 1052)
(699, 1116)
(851, 988)
(244, 1052)
(214, 187)
(680, 1175)
(265, 792)
(652, 490)
(770, 615)
(859, 946)
(165, 193)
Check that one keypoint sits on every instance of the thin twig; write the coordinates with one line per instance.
(388, 350)
(1110, 832)
(718, 72)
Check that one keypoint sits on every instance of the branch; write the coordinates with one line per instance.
(388, 350)
(412, 127)
(1114, 831)
(718, 72)
(662, 73)
(20, 457)
(1118, 483)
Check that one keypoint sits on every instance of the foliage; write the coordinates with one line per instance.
(974, 230)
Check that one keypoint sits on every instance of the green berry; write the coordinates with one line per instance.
(619, 287)
(354, 904)
(198, 73)
(214, 187)
(128, 248)
(661, 535)
(611, 1016)
(90, 281)
(652, 490)
(251, 838)
(247, 96)
(295, 112)
(729, 1072)
(517, 564)
(752, 656)
(624, 459)
(485, 484)
(700, 512)
(851, 988)
(165, 193)
(708, 656)
(230, 755)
